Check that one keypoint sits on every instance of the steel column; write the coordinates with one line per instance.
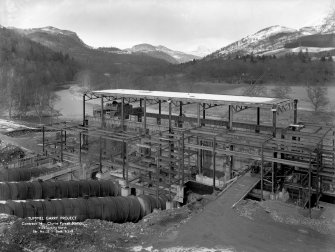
(214, 164)
(258, 119)
(84, 109)
(145, 116)
(230, 117)
(43, 139)
(295, 111)
(122, 114)
(159, 112)
(274, 121)
(309, 186)
(203, 114)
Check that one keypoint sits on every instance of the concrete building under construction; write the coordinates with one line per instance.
(159, 143)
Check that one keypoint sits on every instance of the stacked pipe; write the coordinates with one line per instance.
(57, 189)
(24, 174)
(116, 209)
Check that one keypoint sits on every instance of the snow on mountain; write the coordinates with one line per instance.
(160, 51)
(309, 30)
(270, 38)
(201, 51)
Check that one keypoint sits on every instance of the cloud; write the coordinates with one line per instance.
(174, 23)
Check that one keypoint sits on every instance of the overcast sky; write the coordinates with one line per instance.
(177, 24)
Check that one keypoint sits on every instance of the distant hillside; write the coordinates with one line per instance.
(163, 52)
(316, 40)
(279, 40)
(29, 71)
(98, 60)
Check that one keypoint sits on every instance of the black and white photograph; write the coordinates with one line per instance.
(167, 125)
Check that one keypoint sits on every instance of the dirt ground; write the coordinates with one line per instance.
(202, 225)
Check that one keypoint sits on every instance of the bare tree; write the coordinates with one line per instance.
(282, 91)
(255, 90)
(317, 96)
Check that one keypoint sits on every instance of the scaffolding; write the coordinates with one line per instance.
(158, 147)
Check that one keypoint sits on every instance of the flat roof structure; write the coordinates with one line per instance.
(195, 97)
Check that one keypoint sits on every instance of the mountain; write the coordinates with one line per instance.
(102, 60)
(162, 52)
(280, 40)
(56, 39)
(201, 51)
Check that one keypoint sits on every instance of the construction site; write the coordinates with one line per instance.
(144, 150)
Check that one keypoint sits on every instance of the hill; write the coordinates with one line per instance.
(29, 72)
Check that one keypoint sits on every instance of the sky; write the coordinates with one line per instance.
(178, 24)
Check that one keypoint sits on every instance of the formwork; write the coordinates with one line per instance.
(158, 147)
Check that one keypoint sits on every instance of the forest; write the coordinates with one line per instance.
(29, 73)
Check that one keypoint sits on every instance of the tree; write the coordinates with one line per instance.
(317, 96)
(282, 91)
